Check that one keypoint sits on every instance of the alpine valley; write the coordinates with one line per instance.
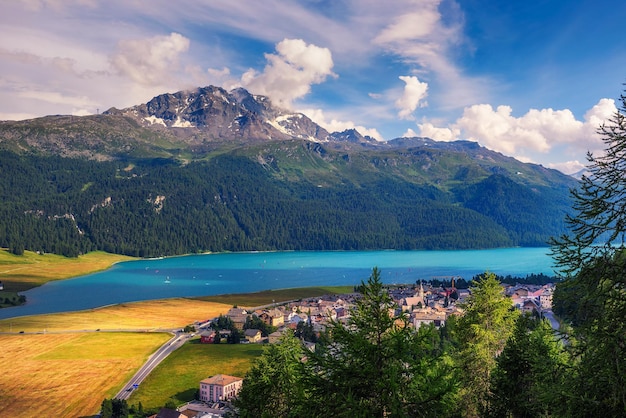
(212, 170)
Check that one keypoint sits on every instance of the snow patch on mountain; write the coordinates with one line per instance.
(152, 120)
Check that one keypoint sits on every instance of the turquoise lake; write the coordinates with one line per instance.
(213, 274)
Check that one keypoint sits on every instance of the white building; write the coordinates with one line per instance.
(220, 387)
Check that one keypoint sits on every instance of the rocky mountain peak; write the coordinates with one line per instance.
(219, 114)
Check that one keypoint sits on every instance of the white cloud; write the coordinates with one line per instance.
(536, 132)
(149, 61)
(411, 26)
(290, 73)
(410, 133)
(335, 125)
(419, 36)
(602, 112)
(415, 92)
(438, 134)
(500, 131)
(568, 167)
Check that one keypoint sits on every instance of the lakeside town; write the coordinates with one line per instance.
(423, 305)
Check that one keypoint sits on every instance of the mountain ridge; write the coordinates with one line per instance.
(249, 160)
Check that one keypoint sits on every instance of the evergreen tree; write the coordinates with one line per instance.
(273, 386)
(483, 331)
(106, 409)
(592, 297)
(528, 378)
(254, 322)
(120, 408)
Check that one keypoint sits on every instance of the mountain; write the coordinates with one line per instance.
(212, 113)
(211, 170)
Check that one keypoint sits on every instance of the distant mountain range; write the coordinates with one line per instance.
(212, 170)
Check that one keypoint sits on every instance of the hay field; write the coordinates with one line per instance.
(68, 375)
(66, 372)
(148, 315)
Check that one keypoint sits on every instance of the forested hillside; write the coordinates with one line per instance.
(235, 202)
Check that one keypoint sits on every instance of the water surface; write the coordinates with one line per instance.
(212, 274)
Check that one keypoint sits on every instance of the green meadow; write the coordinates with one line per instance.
(178, 376)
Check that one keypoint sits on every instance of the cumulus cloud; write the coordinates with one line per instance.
(568, 167)
(438, 134)
(537, 131)
(290, 72)
(410, 133)
(415, 92)
(335, 125)
(149, 61)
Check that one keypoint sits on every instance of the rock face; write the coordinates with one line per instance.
(218, 114)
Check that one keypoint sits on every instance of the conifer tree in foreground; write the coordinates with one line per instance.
(483, 331)
(593, 295)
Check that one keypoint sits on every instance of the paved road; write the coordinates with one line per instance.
(553, 321)
(175, 342)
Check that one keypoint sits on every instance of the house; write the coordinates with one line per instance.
(238, 316)
(529, 305)
(207, 337)
(545, 298)
(274, 337)
(428, 316)
(220, 387)
(253, 335)
(273, 317)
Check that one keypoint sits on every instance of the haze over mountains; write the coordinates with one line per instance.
(212, 170)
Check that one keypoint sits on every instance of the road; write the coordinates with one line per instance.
(550, 317)
(165, 350)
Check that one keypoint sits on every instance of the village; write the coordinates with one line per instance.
(423, 304)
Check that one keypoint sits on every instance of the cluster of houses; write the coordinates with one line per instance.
(424, 304)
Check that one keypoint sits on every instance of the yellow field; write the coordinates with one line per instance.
(69, 374)
(148, 315)
(19, 273)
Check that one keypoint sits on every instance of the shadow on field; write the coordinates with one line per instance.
(187, 395)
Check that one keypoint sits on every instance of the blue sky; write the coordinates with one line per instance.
(530, 79)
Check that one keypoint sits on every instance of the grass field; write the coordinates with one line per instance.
(267, 297)
(178, 377)
(23, 272)
(68, 375)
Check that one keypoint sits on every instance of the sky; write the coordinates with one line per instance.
(532, 79)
